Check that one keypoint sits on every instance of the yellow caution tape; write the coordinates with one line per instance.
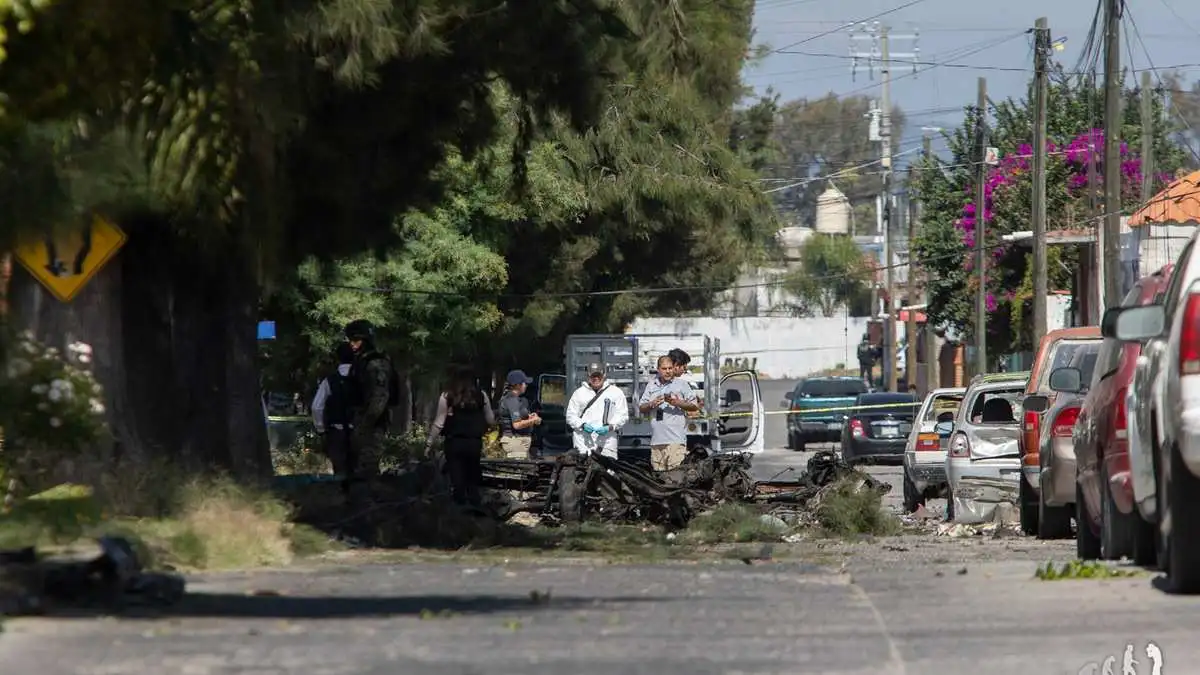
(914, 405)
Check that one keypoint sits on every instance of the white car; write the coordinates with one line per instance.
(1174, 400)
(925, 453)
(983, 462)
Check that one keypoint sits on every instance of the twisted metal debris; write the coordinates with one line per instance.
(573, 487)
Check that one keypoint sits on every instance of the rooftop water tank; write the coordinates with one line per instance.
(833, 212)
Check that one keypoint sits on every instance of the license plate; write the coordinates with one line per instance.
(834, 425)
(889, 432)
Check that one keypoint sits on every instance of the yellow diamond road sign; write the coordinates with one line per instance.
(65, 261)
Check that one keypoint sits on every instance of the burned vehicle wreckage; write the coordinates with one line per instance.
(575, 487)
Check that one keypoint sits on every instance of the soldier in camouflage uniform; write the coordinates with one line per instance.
(372, 376)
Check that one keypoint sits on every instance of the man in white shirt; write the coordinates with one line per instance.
(331, 412)
(596, 412)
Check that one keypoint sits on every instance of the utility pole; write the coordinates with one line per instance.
(889, 334)
(1147, 138)
(981, 360)
(931, 379)
(1111, 240)
(881, 52)
(910, 325)
(1041, 49)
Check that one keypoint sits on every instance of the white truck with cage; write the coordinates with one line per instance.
(731, 419)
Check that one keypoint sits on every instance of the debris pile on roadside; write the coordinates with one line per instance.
(106, 575)
(573, 487)
(1005, 522)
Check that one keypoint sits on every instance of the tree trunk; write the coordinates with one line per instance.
(174, 347)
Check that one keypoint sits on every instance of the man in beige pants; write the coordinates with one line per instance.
(667, 400)
(516, 421)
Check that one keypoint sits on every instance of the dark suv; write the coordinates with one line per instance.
(818, 407)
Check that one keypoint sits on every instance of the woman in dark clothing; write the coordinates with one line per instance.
(465, 415)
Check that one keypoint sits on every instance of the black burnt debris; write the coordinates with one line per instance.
(574, 487)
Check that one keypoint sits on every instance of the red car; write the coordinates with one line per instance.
(1108, 525)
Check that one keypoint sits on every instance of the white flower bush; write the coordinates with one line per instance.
(50, 401)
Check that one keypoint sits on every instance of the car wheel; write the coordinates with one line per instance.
(1145, 541)
(912, 498)
(1087, 543)
(1183, 543)
(1053, 522)
(1029, 508)
(1116, 528)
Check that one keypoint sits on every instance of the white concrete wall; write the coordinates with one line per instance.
(783, 347)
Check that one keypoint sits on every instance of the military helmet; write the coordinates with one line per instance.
(360, 329)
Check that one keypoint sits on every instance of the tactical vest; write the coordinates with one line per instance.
(358, 375)
(466, 421)
(337, 406)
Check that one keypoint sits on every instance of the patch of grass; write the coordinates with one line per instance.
(733, 523)
(1081, 569)
(848, 509)
(182, 522)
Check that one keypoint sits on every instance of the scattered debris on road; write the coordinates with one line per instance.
(573, 487)
(106, 573)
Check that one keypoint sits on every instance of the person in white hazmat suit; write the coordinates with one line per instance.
(596, 412)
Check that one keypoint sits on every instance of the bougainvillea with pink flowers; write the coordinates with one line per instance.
(950, 215)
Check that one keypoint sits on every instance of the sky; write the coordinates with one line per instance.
(970, 38)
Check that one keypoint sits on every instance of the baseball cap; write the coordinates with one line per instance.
(518, 377)
(595, 368)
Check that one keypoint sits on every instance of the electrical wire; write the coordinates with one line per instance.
(967, 52)
(850, 24)
(1146, 50)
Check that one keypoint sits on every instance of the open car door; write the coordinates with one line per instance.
(742, 422)
(552, 437)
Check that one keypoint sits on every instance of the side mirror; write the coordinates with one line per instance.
(944, 428)
(732, 396)
(1108, 322)
(1066, 380)
(1134, 324)
(1035, 403)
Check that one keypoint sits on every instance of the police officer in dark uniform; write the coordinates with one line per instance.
(464, 415)
(373, 379)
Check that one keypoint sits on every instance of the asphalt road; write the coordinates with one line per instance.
(916, 604)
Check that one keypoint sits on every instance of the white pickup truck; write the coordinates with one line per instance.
(1168, 389)
(631, 362)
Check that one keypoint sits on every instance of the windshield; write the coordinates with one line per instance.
(943, 408)
(833, 388)
(1064, 352)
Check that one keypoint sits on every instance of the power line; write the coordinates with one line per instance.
(983, 67)
(850, 24)
(1174, 108)
(967, 52)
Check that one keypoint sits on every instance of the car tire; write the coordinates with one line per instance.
(1028, 501)
(1145, 541)
(1116, 528)
(913, 499)
(1183, 543)
(1087, 543)
(1053, 522)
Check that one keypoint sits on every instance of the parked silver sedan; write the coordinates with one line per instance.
(983, 462)
(925, 453)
